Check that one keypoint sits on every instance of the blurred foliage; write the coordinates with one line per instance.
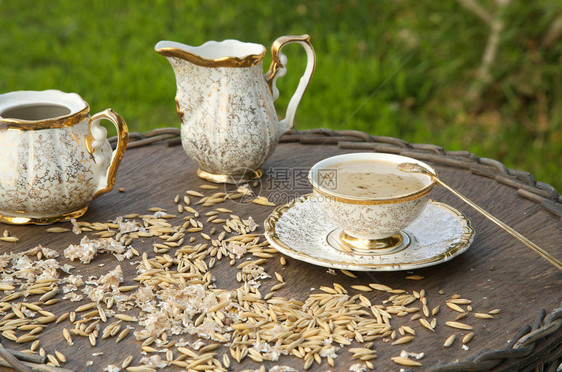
(393, 68)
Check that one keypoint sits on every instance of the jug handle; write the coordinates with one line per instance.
(278, 69)
(99, 137)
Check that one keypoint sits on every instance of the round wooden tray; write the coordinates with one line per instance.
(496, 272)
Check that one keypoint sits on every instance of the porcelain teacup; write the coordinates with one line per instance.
(55, 157)
(369, 199)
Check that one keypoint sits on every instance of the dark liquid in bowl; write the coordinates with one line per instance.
(35, 112)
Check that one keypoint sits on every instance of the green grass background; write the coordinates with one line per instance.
(393, 68)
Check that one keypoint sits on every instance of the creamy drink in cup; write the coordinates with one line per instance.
(369, 199)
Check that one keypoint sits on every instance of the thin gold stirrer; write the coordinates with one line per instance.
(415, 168)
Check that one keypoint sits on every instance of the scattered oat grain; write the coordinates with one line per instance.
(458, 325)
(449, 341)
(414, 277)
(404, 361)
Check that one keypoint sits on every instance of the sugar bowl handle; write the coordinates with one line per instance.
(278, 69)
(99, 135)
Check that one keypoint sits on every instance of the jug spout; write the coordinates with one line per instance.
(226, 53)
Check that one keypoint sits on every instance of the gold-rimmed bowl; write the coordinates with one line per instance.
(366, 224)
(55, 158)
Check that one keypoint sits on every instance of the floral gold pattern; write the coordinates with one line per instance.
(229, 122)
(50, 172)
(368, 218)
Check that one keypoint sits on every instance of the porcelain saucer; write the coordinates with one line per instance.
(300, 230)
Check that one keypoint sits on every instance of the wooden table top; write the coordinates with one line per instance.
(496, 272)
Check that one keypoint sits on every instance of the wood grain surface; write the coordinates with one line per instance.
(496, 272)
